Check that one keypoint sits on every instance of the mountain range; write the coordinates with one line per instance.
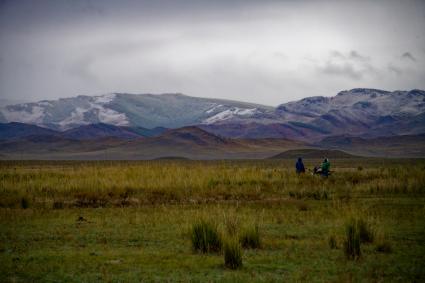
(366, 122)
(357, 112)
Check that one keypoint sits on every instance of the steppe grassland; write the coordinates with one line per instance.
(131, 221)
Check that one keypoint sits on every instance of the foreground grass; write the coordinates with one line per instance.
(131, 222)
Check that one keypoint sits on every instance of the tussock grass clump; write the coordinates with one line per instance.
(58, 204)
(205, 237)
(332, 241)
(383, 247)
(316, 194)
(352, 240)
(357, 231)
(302, 206)
(232, 254)
(25, 203)
(250, 237)
(231, 223)
(366, 232)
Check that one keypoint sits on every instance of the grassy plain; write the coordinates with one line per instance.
(131, 221)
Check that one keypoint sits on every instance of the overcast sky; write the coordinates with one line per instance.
(267, 52)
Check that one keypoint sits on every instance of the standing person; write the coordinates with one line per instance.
(326, 167)
(299, 166)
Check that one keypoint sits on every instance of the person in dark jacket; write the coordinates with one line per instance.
(326, 167)
(299, 166)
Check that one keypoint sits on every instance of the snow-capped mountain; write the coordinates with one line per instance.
(119, 109)
(358, 112)
(66, 113)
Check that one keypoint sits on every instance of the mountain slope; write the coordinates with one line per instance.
(119, 109)
(358, 112)
(96, 131)
(16, 130)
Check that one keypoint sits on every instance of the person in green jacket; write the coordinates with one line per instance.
(326, 167)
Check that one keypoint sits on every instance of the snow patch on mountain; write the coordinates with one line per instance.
(24, 114)
(45, 103)
(214, 108)
(109, 116)
(104, 99)
(229, 114)
(84, 110)
(96, 108)
(76, 118)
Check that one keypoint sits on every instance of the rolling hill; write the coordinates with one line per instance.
(392, 146)
(313, 154)
(187, 142)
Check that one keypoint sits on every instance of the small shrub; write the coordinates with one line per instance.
(205, 237)
(232, 254)
(333, 242)
(25, 203)
(352, 240)
(359, 168)
(250, 238)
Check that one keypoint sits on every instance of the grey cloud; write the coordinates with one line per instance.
(356, 56)
(336, 55)
(267, 51)
(345, 69)
(81, 68)
(351, 65)
(395, 70)
(352, 55)
(408, 56)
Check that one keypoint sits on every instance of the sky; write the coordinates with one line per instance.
(267, 52)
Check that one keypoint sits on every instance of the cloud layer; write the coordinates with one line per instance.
(261, 51)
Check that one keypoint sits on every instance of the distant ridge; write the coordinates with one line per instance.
(100, 130)
(313, 153)
(104, 141)
(16, 130)
(412, 146)
(186, 142)
(171, 158)
(194, 135)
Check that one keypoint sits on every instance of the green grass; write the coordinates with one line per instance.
(132, 221)
(232, 253)
(205, 237)
(250, 237)
(352, 247)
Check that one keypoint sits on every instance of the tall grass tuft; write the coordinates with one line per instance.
(333, 244)
(231, 223)
(352, 240)
(58, 204)
(205, 237)
(383, 247)
(250, 237)
(25, 203)
(366, 232)
(232, 254)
